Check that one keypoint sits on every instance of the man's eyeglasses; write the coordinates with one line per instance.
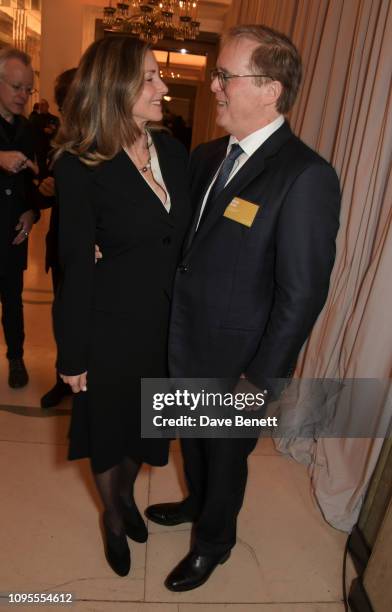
(224, 77)
(20, 88)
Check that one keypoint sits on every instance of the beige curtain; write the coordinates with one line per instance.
(279, 14)
(344, 112)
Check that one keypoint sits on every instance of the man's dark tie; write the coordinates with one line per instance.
(221, 179)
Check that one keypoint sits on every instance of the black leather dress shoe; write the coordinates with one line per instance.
(193, 571)
(117, 551)
(18, 376)
(169, 514)
(135, 527)
(53, 397)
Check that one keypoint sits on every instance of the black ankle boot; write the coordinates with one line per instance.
(53, 397)
(135, 527)
(117, 551)
(18, 376)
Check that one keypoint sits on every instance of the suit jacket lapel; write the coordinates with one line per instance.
(20, 127)
(203, 176)
(169, 169)
(133, 186)
(3, 135)
(249, 171)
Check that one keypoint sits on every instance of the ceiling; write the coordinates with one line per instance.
(181, 66)
(189, 66)
(192, 65)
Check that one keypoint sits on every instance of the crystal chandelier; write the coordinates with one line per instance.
(153, 20)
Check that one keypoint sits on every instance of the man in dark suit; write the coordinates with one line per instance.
(254, 274)
(45, 126)
(47, 188)
(17, 201)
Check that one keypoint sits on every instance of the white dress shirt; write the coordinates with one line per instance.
(249, 145)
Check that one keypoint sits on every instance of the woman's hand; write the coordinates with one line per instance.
(98, 254)
(77, 383)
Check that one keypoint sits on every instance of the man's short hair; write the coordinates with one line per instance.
(276, 56)
(8, 53)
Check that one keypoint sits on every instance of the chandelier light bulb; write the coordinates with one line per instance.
(153, 20)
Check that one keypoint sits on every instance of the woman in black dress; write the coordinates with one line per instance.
(124, 188)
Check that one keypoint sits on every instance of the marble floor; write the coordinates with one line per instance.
(287, 558)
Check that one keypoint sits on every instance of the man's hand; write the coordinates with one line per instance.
(15, 161)
(77, 383)
(98, 254)
(32, 166)
(46, 187)
(26, 221)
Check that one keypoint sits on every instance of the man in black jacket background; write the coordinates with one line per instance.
(45, 126)
(47, 189)
(17, 201)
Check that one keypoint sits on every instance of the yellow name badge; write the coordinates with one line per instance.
(241, 211)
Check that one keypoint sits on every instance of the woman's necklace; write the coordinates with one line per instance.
(139, 165)
(146, 166)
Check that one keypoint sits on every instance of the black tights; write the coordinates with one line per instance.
(115, 487)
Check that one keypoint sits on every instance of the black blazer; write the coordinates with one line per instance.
(17, 195)
(246, 299)
(112, 206)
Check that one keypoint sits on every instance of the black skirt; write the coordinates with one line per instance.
(105, 423)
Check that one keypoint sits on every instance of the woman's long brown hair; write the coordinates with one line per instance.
(97, 114)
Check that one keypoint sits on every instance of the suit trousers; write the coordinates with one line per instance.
(216, 471)
(56, 277)
(11, 288)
